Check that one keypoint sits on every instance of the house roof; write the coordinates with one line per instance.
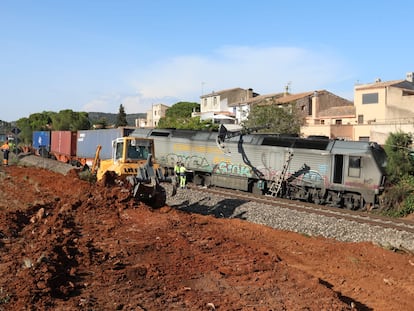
(380, 85)
(258, 99)
(408, 92)
(284, 99)
(293, 97)
(221, 92)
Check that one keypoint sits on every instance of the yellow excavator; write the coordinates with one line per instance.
(132, 158)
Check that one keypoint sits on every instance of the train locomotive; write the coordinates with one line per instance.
(348, 174)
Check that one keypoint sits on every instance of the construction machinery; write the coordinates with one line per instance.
(132, 159)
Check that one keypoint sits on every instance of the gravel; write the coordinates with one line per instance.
(197, 201)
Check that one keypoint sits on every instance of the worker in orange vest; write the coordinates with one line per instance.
(5, 149)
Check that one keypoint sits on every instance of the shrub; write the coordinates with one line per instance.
(398, 200)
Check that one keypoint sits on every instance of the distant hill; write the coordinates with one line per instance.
(111, 117)
(5, 127)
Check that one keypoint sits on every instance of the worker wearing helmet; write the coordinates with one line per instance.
(182, 176)
(5, 149)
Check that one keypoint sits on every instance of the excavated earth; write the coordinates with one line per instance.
(67, 244)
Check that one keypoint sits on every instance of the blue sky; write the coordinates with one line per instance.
(94, 55)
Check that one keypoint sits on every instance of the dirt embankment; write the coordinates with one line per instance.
(66, 244)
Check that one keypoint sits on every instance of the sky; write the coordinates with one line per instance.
(95, 55)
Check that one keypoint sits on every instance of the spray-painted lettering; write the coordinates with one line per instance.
(225, 168)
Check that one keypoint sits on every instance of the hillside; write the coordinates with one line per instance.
(111, 117)
(5, 127)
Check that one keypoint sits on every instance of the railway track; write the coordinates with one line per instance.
(326, 211)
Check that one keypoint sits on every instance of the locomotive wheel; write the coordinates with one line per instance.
(255, 189)
(198, 180)
(207, 181)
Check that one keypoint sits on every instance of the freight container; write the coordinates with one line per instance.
(41, 143)
(63, 145)
(88, 141)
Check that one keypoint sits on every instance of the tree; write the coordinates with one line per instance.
(81, 121)
(282, 120)
(64, 120)
(400, 159)
(179, 116)
(26, 131)
(101, 123)
(121, 117)
(181, 110)
(398, 199)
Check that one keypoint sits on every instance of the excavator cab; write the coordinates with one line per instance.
(132, 157)
(131, 149)
(128, 154)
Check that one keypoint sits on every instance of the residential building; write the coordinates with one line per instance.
(141, 122)
(220, 105)
(241, 109)
(154, 115)
(379, 108)
(325, 113)
(321, 110)
(384, 107)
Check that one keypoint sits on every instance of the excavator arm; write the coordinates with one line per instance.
(96, 160)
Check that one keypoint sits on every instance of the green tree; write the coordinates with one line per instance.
(81, 121)
(69, 120)
(400, 159)
(35, 122)
(121, 119)
(101, 122)
(179, 116)
(26, 131)
(187, 124)
(282, 120)
(398, 199)
(181, 110)
(41, 121)
(64, 120)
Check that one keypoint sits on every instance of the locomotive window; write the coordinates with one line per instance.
(354, 166)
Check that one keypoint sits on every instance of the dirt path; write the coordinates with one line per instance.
(68, 245)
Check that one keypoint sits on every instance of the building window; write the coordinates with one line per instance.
(370, 98)
(360, 119)
(215, 101)
(338, 122)
(354, 166)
